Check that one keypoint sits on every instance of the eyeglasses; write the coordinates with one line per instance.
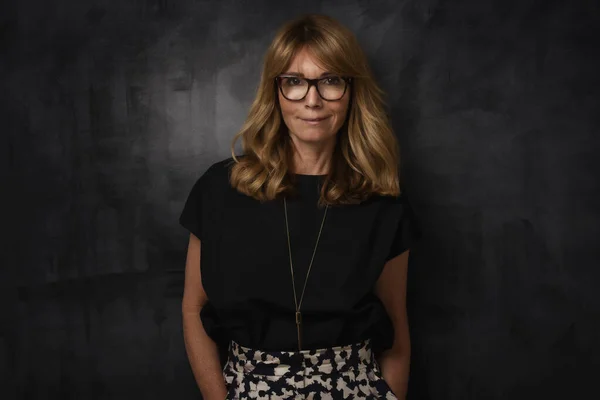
(330, 88)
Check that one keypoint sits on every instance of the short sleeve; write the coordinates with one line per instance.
(191, 217)
(408, 230)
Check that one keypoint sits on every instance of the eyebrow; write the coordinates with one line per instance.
(302, 75)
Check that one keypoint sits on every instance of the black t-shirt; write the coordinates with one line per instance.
(245, 265)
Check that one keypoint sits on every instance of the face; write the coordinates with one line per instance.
(331, 114)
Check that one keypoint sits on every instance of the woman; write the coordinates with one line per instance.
(298, 250)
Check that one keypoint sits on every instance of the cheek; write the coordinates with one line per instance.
(341, 110)
(287, 110)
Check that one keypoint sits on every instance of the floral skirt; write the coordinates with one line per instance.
(342, 372)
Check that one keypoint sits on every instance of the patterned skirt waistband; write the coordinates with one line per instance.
(328, 360)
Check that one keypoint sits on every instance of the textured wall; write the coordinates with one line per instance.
(110, 111)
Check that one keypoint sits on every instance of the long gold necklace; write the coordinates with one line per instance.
(298, 314)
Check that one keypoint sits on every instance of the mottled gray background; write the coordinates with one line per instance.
(110, 111)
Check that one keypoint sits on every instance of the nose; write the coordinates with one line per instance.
(313, 99)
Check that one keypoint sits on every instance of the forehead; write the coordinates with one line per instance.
(305, 64)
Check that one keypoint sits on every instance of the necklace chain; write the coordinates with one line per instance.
(298, 305)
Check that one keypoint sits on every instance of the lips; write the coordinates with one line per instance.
(313, 119)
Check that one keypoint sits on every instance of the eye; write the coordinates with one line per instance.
(333, 80)
(291, 81)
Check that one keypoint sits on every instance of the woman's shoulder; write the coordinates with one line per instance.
(219, 170)
(396, 205)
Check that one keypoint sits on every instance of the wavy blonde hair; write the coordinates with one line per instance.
(366, 156)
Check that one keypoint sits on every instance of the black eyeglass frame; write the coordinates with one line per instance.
(313, 82)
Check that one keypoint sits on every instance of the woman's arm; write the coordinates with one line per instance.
(201, 349)
(391, 289)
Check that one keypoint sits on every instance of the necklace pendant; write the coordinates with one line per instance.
(298, 326)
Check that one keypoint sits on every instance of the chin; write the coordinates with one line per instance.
(314, 139)
(314, 132)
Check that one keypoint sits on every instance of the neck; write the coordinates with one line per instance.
(312, 158)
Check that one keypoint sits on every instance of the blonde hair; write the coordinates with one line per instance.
(366, 156)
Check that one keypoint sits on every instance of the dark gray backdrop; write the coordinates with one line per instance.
(111, 110)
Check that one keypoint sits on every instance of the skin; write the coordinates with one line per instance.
(391, 289)
(313, 144)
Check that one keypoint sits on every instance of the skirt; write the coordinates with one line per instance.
(342, 372)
